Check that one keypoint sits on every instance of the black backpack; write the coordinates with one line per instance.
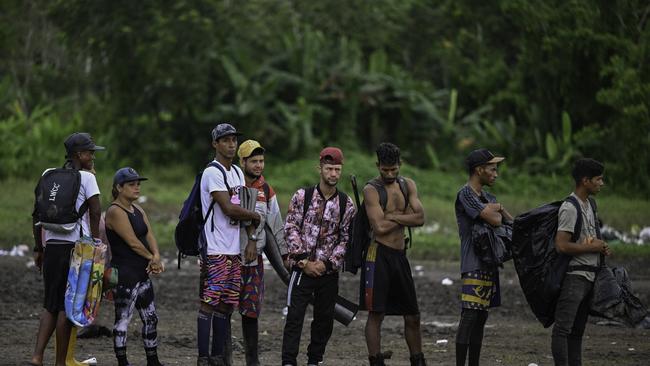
(191, 220)
(540, 268)
(55, 204)
(360, 237)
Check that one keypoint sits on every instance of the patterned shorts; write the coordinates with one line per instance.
(252, 289)
(220, 280)
(480, 290)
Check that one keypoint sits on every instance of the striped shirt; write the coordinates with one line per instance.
(468, 208)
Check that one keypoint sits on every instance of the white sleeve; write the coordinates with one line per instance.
(89, 184)
(214, 180)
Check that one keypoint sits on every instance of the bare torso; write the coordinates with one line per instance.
(394, 204)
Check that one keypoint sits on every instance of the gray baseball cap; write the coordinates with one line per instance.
(224, 129)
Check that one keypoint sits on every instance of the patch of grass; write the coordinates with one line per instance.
(168, 187)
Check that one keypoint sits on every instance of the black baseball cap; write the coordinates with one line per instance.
(125, 175)
(224, 129)
(481, 157)
(81, 141)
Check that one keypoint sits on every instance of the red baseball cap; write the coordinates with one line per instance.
(332, 153)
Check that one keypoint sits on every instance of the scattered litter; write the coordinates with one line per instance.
(611, 323)
(442, 342)
(16, 251)
(532, 364)
(611, 234)
(285, 311)
(91, 361)
(429, 229)
(438, 324)
(644, 235)
(613, 343)
(142, 199)
(419, 268)
(631, 349)
(30, 264)
(447, 281)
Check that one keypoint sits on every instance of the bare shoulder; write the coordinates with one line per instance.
(410, 183)
(138, 207)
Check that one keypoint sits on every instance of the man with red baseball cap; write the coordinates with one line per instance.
(317, 231)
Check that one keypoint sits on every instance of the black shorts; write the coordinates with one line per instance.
(386, 282)
(56, 264)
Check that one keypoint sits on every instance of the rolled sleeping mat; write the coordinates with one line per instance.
(344, 310)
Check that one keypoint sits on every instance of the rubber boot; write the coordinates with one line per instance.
(376, 360)
(69, 357)
(227, 348)
(418, 359)
(249, 330)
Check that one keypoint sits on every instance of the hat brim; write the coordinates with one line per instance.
(139, 179)
(228, 134)
(496, 159)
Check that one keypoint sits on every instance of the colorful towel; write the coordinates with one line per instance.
(84, 290)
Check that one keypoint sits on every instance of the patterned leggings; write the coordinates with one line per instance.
(140, 297)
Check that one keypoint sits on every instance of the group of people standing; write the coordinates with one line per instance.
(317, 232)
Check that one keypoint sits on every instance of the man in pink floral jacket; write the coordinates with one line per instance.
(317, 232)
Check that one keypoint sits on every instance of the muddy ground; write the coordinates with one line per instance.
(512, 336)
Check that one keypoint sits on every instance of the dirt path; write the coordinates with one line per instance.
(512, 337)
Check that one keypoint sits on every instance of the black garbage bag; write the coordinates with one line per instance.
(613, 298)
(539, 267)
(492, 244)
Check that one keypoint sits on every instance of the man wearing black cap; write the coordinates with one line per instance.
(317, 232)
(221, 261)
(67, 206)
(480, 282)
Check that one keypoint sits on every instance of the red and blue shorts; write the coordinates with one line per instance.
(252, 289)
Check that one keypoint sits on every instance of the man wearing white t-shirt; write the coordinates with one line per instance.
(221, 262)
(53, 258)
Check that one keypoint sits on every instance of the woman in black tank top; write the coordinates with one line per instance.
(135, 254)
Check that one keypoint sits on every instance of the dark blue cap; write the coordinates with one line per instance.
(126, 174)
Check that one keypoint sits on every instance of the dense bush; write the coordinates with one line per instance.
(541, 82)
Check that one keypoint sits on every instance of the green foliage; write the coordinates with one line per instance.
(35, 141)
(541, 82)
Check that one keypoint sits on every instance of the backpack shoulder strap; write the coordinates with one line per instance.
(577, 229)
(381, 191)
(240, 173)
(223, 172)
(403, 186)
(343, 204)
(267, 192)
(84, 206)
(309, 193)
